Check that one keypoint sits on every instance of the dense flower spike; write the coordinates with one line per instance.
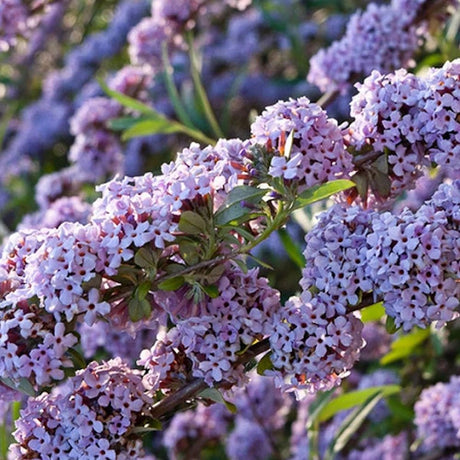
(92, 416)
(317, 154)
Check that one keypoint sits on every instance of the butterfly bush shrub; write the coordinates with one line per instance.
(136, 320)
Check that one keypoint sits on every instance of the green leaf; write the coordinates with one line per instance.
(122, 123)
(127, 101)
(372, 312)
(192, 223)
(189, 251)
(234, 208)
(318, 405)
(145, 257)
(380, 183)
(77, 358)
(215, 395)
(361, 181)
(405, 345)
(215, 274)
(139, 309)
(142, 290)
(350, 425)
(173, 284)
(152, 126)
(22, 385)
(322, 191)
(390, 325)
(260, 262)
(264, 364)
(353, 398)
(293, 251)
(211, 291)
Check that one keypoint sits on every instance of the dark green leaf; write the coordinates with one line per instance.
(145, 257)
(139, 309)
(322, 191)
(192, 223)
(77, 358)
(215, 274)
(234, 208)
(211, 291)
(264, 364)
(353, 398)
(350, 425)
(172, 284)
(291, 248)
(189, 251)
(261, 262)
(215, 395)
(380, 183)
(362, 184)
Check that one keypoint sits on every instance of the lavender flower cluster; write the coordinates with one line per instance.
(382, 38)
(91, 416)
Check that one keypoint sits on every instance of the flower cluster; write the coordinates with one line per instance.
(92, 416)
(388, 448)
(380, 38)
(413, 260)
(13, 19)
(316, 338)
(212, 338)
(317, 154)
(437, 415)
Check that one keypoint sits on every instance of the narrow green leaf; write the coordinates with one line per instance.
(172, 284)
(22, 385)
(261, 262)
(293, 251)
(127, 101)
(151, 126)
(122, 123)
(317, 407)
(405, 345)
(215, 395)
(350, 425)
(372, 312)
(322, 191)
(265, 363)
(353, 398)
(192, 223)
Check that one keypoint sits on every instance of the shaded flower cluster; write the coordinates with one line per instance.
(437, 415)
(242, 313)
(92, 416)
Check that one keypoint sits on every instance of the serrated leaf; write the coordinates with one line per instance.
(192, 223)
(322, 191)
(139, 309)
(372, 312)
(350, 425)
(145, 257)
(172, 284)
(77, 358)
(215, 395)
(293, 251)
(353, 398)
(265, 363)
